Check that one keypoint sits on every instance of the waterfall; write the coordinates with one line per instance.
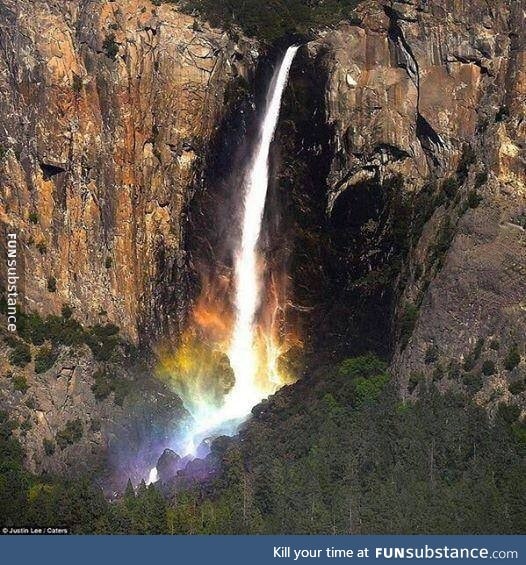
(242, 354)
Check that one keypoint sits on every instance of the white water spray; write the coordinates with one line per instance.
(153, 476)
(242, 354)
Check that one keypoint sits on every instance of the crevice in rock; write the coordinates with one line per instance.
(429, 139)
(49, 171)
(466, 60)
(403, 52)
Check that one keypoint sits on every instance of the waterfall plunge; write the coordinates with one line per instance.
(245, 393)
(243, 358)
(242, 353)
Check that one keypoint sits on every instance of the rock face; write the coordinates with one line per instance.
(107, 109)
(425, 101)
(168, 465)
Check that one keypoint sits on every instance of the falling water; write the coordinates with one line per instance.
(242, 354)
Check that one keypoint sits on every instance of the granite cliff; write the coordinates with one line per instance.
(107, 109)
(401, 188)
(410, 209)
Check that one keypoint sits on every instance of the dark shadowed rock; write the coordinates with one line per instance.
(197, 469)
(203, 448)
(168, 465)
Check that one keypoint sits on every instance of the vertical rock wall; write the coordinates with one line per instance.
(426, 100)
(107, 108)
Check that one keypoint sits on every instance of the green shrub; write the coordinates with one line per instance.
(26, 425)
(33, 217)
(509, 412)
(472, 358)
(49, 446)
(76, 84)
(31, 403)
(403, 408)
(364, 366)
(368, 389)
(64, 329)
(102, 387)
(414, 380)
(44, 359)
(495, 344)
(513, 358)
(121, 389)
(68, 332)
(474, 199)
(108, 262)
(42, 247)
(31, 328)
(105, 331)
(502, 114)
(425, 204)
(443, 241)
(407, 323)
(467, 159)
(52, 284)
(110, 46)
(517, 387)
(95, 425)
(367, 375)
(478, 348)
(20, 383)
(106, 383)
(518, 430)
(66, 312)
(454, 371)
(481, 179)
(520, 220)
(438, 373)
(20, 354)
(488, 367)
(269, 22)
(71, 433)
(431, 355)
(450, 187)
(472, 382)
(102, 340)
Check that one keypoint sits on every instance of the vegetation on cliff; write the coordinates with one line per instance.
(270, 21)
